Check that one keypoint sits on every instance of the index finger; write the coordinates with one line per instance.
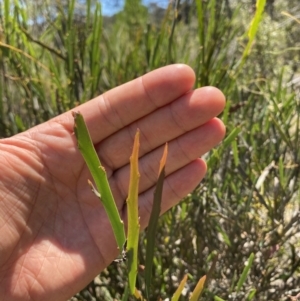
(108, 113)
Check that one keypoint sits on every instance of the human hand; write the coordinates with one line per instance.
(55, 235)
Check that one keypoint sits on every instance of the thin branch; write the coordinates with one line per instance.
(54, 51)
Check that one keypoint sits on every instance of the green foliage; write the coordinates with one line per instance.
(153, 222)
(245, 273)
(133, 215)
(86, 147)
(198, 289)
(249, 201)
(180, 288)
(260, 6)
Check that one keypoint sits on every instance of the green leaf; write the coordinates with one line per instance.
(228, 140)
(235, 152)
(125, 294)
(216, 298)
(133, 215)
(251, 294)
(260, 5)
(180, 288)
(245, 272)
(154, 216)
(98, 172)
(95, 50)
(224, 236)
(198, 289)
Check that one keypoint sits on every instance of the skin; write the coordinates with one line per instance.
(55, 235)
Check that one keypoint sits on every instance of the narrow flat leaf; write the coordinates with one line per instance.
(198, 289)
(138, 295)
(233, 134)
(260, 5)
(133, 215)
(228, 140)
(251, 294)
(125, 294)
(235, 152)
(245, 272)
(216, 298)
(180, 288)
(92, 160)
(209, 274)
(224, 236)
(154, 216)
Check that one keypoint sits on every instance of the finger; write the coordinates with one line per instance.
(176, 187)
(181, 152)
(125, 104)
(184, 114)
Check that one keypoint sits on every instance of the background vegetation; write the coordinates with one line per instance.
(57, 54)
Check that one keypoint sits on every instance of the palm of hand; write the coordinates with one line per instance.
(56, 235)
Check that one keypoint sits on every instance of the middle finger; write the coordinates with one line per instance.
(165, 124)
